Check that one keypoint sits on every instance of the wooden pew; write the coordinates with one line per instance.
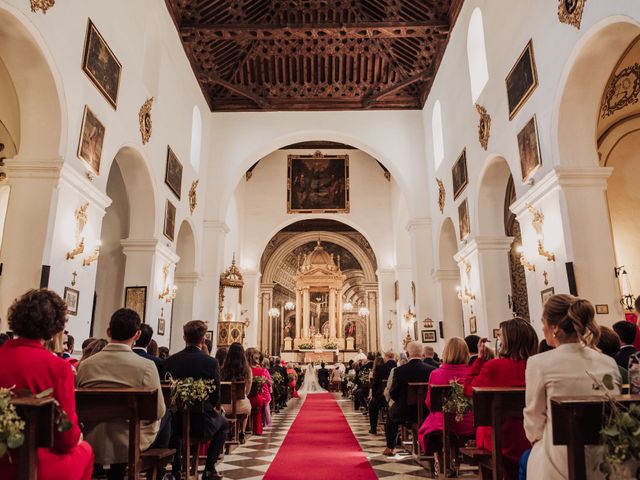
(491, 407)
(38, 415)
(97, 405)
(230, 392)
(416, 396)
(576, 422)
(439, 396)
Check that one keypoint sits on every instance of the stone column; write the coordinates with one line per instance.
(265, 320)
(374, 321)
(306, 313)
(422, 249)
(298, 313)
(340, 328)
(206, 292)
(332, 313)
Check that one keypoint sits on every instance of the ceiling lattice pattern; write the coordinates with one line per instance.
(314, 54)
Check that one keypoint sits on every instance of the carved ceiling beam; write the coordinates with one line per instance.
(367, 30)
(371, 99)
(237, 89)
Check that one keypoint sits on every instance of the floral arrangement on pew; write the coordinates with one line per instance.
(364, 376)
(457, 402)
(12, 426)
(330, 346)
(257, 384)
(351, 377)
(305, 346)
(292, 377)
(277, 377)
(620, 435)
(189, 392)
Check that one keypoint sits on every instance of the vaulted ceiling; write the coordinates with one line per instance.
(314, 54)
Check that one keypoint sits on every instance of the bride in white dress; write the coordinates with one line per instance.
(310, 383)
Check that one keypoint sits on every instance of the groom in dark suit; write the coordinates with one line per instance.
(323, 377)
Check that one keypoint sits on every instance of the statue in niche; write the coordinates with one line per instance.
(312, 330)
(350, 329)
(289, 328)
(325, 330)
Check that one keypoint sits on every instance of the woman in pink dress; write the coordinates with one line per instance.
(257, 396)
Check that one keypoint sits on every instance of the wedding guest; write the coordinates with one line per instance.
(152, 348)
(280, 389)
(118, 366)
(399, 413)
(209, 424)
(544, 346)
(472, 345)
(87, 342)
(209, 344)
(323, 376)
(259, 394)
(518, 342)
(94, 347)
(163, 353)
(236, 369)
(221, 354)
(455, 366)
(429, 356)
(266, 411)
(627, 333)
(378, 402)
(67, 345)
(26, 365)
(3, 338)
(362, 388)
(143, 346)
(292, 377)
(609, 344)
(570, 369)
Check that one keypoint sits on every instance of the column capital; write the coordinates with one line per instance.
(442, 274)
(152, 246)
(216, 226)
(418, 224)
(34, 168)
(192, 278)
(483, 243)
(70, 177)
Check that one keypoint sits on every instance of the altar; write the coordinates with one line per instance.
(326, 356)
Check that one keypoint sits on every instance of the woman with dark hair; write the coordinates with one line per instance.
(573, 368)
(517, 342)
(35, 318)
(163, 353)
(92, 348)
(152, 348)
(221, 354)
(259, 396)
(236, 369)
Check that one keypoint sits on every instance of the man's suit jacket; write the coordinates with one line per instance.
(622, 357)
(193, 362)
(144, 354)
(381, 373)
(432, 361)
(323, 377)
(117, 366)
(413, 371)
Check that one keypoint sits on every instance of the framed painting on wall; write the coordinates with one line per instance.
(91, 140)
(459, 174)
(522, 80)
(71, 298)
(473, 326)
(101, 65)
(173, 173)
(135, 298)
(161, 325)
(545, 294)
(463, 219)
(170, 221)
(318, 183)
(429, 336)
(530, 159)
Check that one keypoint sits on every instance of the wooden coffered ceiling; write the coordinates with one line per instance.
(314, 54)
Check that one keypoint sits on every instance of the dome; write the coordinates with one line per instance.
(318, 258)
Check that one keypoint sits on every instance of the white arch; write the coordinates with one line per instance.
(477, 55)
(489, 217)
(438, 134)
(196, 138)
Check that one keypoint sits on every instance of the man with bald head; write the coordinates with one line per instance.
(415, 370)
(429, 356)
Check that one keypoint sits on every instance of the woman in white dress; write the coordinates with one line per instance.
(310, 383)
(569, 326)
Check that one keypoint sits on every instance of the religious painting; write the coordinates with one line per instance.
(530, 159)
(289, 329)
(101, 65)
(602, 309)
(522, 80)
(459, 174)
(135, 298)
(546, 294)
(318, 183)
(170, 221)
(429, 336)
(71, 298)
(473, 325)
(161, 325)
(173, 173)
(463, 219)
(91, 140)
(350, 329)
(209, 335)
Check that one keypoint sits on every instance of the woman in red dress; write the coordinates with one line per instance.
(34, 318)
(518, 342)
(257, 397)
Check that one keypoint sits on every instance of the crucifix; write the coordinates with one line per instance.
(73, 282)
(161, 312)
(546, 280)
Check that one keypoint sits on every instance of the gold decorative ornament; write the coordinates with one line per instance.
(43, 5)
(73, 282)
(523, 261)
(81, 221)
(92, 258)
(465, 295)
(144, 117)
(623, 90)
(231, 278)
(442, 195)
(570, 12)
(389, 324)
(467, 268)
(484, 127)
(538, 223)
(168, 293)
(193, 196)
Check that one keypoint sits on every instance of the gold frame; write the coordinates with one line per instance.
(166, 212)
(537, 167)
(461, 188)
(143, 115)
(132, 297)
(464, 203)
(176, 189)
(484, 127)
(82, 125)
(571, 18)
(531, 89)
(113, 102)
(72, 291)
(473, 325)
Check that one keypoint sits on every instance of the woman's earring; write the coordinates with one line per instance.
(555, 334)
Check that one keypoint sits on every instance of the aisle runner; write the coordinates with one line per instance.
(320, 446)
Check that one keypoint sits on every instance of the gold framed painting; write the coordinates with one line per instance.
(91, 140)
(473, 325)
(101, 65)
(71, 298)
(463, 219)
(522, 80)
(135, 298)
(318, 183)
(459, 174)
(529, 148)
(173, 173)
(170, 221)
(429, 336)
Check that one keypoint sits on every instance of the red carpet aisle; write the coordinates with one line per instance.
(320, 446)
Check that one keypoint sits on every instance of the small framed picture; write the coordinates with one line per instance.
(209, 335)
(71, 298)
(173, 173)
(135, 298)
(459, 174)
(546, 293)
(101, 65)
(91, 140)
(463, 219)
(170, 221)
(161, 326)
(473, 326)
(496, 332)
(522, 80)
(530, 158)
(429, 336)
(602, 309)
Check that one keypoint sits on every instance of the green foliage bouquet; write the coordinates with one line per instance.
(189, 392)
(277, 377)
(457, 402)
(364, 376)
(11, 425)
(305, 346)
(330, 346)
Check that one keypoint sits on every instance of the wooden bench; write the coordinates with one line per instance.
(416, 396)
(230, 393)
(438, 397)
(98, 405)
(491, 407)
(576, 422)
(38, 415)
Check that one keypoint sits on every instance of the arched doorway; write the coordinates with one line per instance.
(185, 281)
(519, 299)
(449, 278)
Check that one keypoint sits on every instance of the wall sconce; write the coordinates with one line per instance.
(168, 293)
(289, 306)
(389, 324)
(627, 300)
(523, 261)
(79, 248)
(465, 295)
(363, 312)
(538, 223)
(93, 257)
(274, 312)
(409, 316)
(81, 220)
